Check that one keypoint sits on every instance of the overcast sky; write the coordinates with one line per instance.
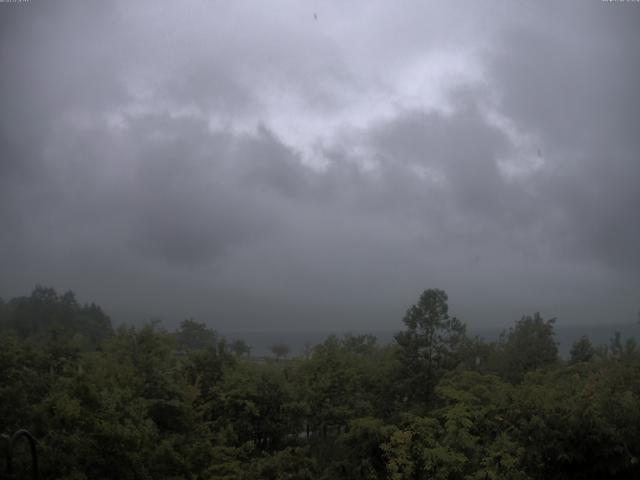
(315, 165)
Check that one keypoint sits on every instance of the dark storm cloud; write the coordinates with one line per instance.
(572, 80)
(196, 195)
(461, 149)
(257, 169)
(45, 72)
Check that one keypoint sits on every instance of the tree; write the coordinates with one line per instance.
(240, 348)
(617, 350)
(361, 449)
(280, 350)
(582, 350)
(430, 345)
(193, 335)
(336, 387)
(528, 346)
(45, 314)
(361, 344)
(258, 402)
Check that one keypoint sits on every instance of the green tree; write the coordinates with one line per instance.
(582, 350)
(258, 402)
(418, 451)
(45, 313)
(361, 447)
(280, 350)
(193, 335)
(337, 386)
(240, 348)
(288, 463)
(363, 344)
(430, 345)
(528, 346)
(125, 411)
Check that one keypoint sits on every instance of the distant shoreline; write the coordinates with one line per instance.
(261, 341)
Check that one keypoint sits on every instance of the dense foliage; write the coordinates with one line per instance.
(145, 403)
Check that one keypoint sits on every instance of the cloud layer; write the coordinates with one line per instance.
(258, 168)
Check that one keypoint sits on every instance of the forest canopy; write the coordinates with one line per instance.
(147, 403)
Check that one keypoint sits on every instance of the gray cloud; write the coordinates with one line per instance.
(575, 92)
(258, 169)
